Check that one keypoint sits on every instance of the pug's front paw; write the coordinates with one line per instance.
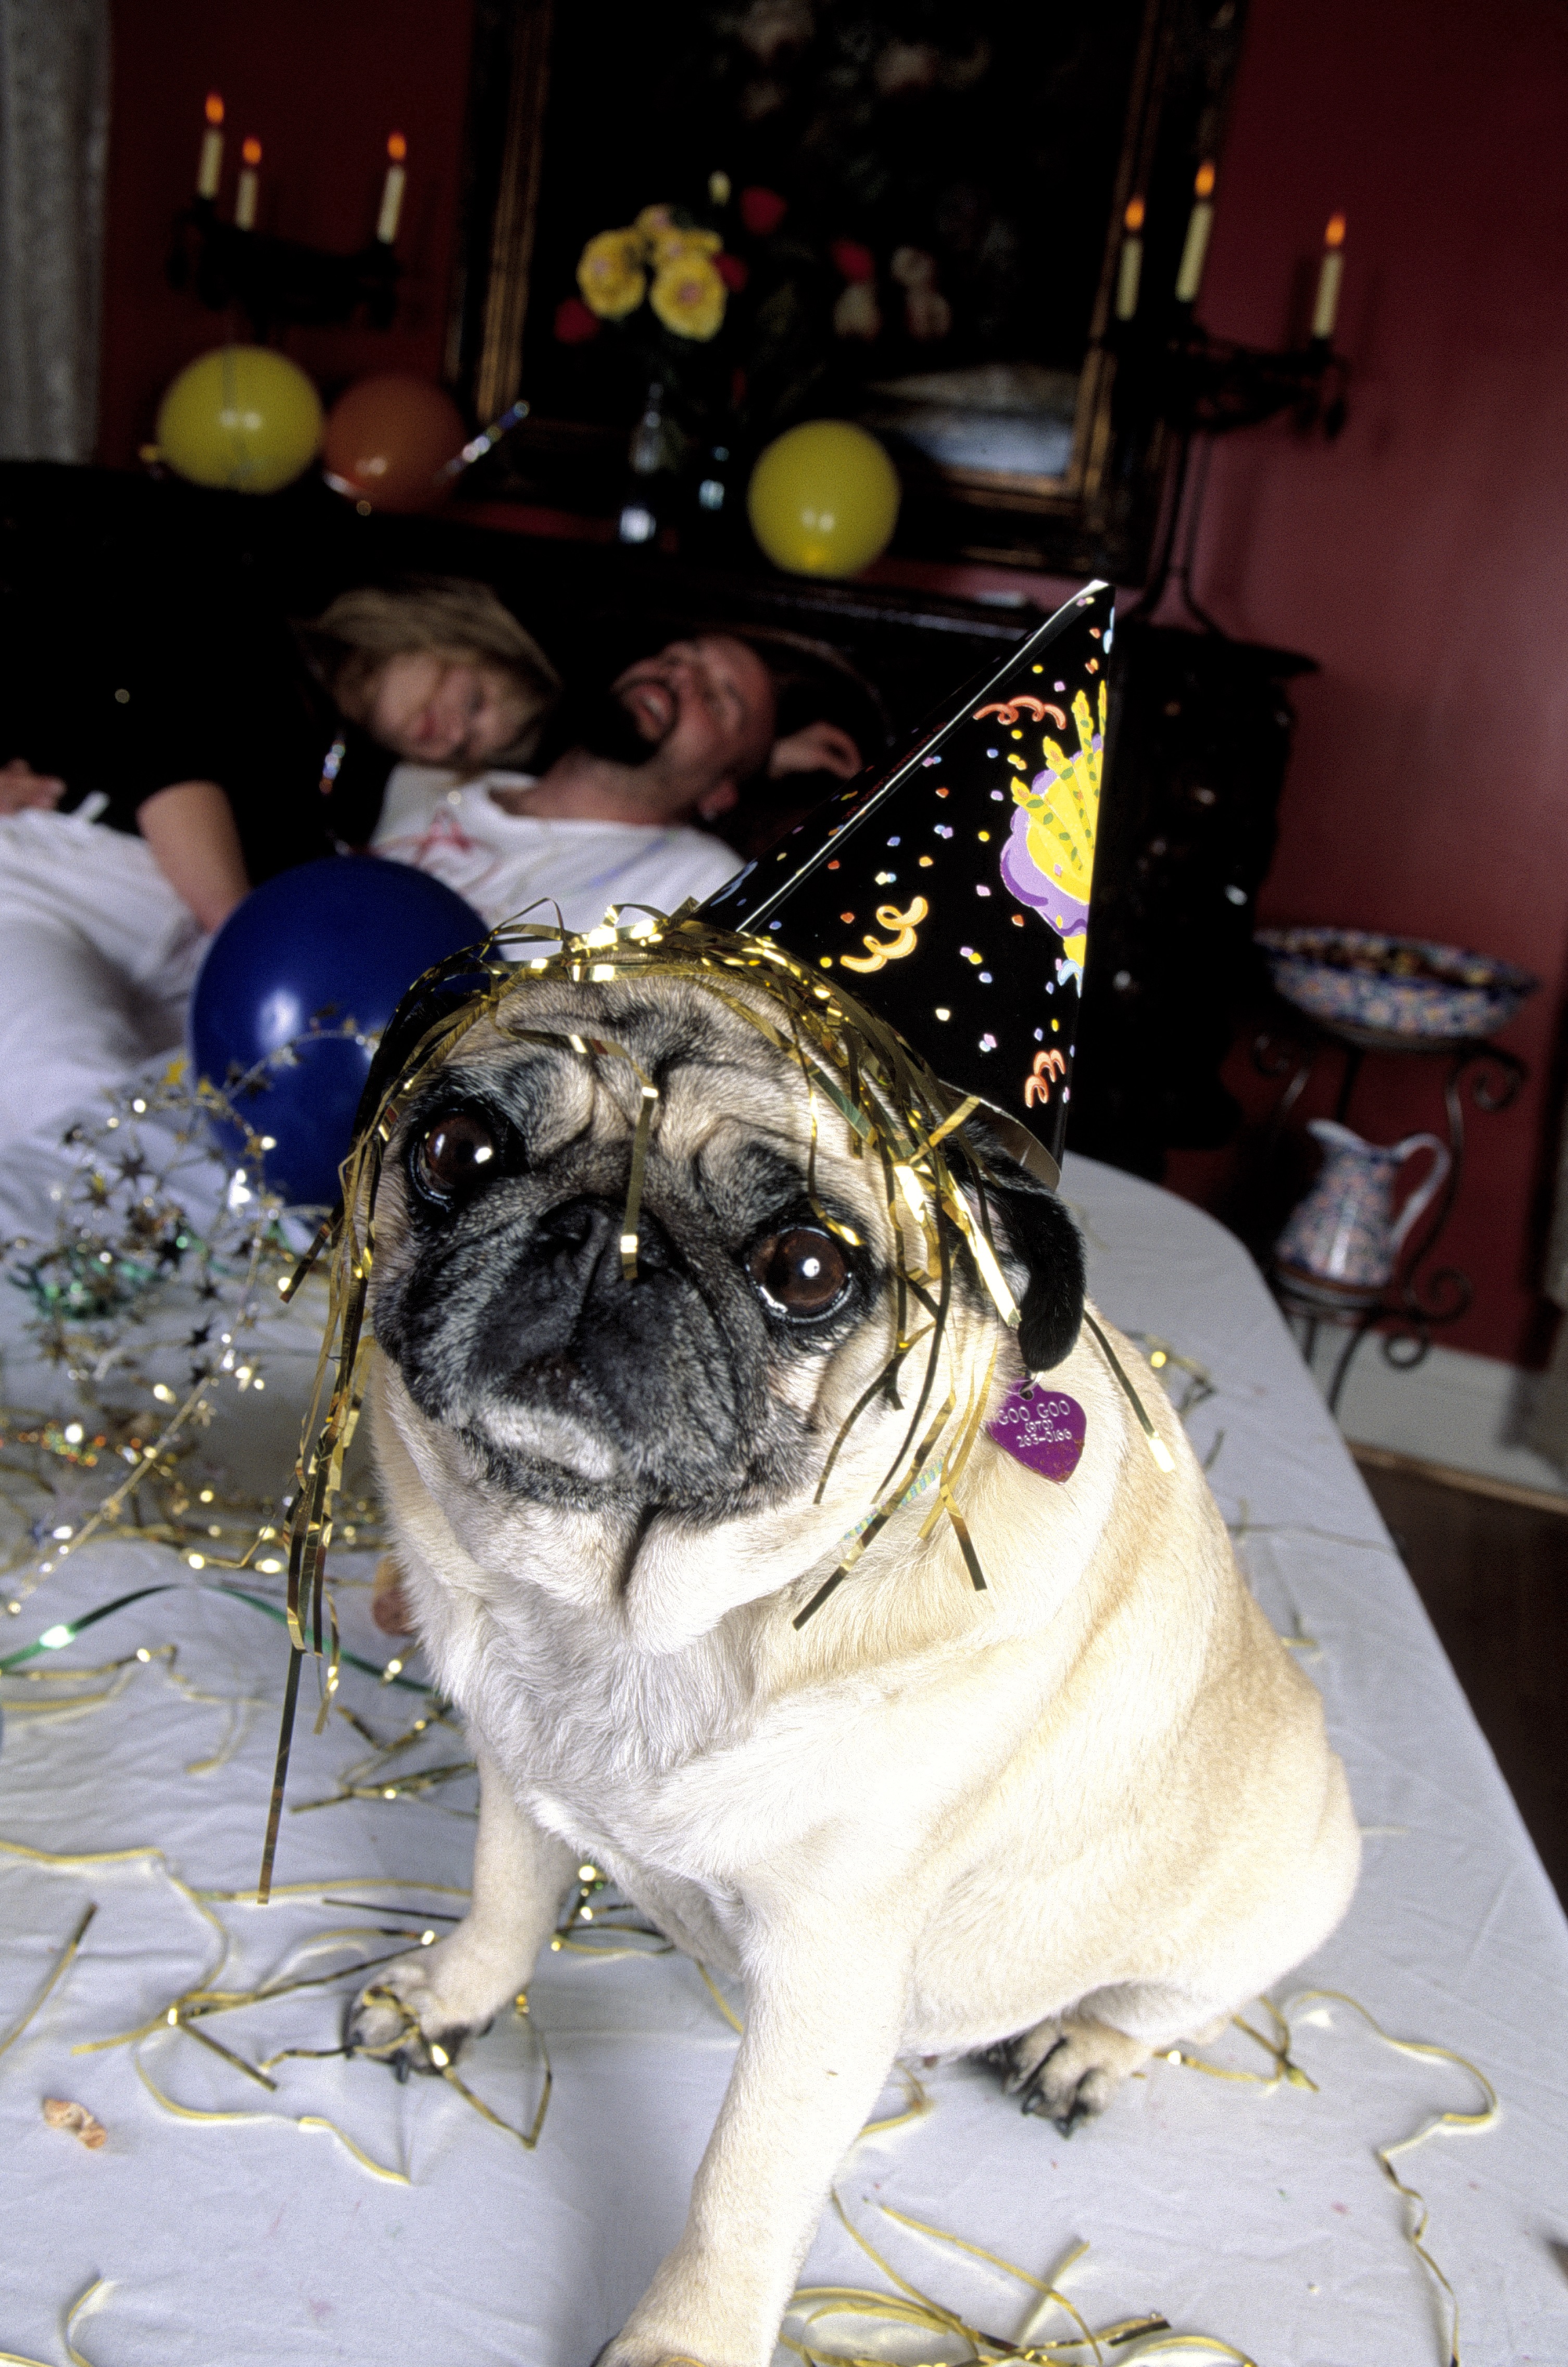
(404, 2017)
(1068, 2069)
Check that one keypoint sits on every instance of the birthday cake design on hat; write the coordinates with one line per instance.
(950, 893)
(1048, 860)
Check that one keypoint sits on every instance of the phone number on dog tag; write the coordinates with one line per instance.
(1043, 1428)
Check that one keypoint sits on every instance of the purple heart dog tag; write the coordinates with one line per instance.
(1041, 1427)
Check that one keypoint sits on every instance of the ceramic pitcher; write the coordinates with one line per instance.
(1344, 1237)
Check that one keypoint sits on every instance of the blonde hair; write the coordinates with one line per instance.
(354, 636)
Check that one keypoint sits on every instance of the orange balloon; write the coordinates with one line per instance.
(386, 440)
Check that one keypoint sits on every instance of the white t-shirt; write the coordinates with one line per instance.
(503, 862)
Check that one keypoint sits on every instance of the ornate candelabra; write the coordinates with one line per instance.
(277, 281)
(1210, 386)
(1201, 387)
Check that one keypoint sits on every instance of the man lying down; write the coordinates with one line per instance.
(406, 737)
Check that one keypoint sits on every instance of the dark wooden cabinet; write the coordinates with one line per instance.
(1200, 740)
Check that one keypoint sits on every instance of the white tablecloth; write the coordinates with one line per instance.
(1261, 2217)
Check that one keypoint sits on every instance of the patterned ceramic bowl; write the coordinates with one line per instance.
(1394, 986)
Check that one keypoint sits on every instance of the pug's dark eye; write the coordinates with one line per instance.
(804, 1270)
(454, 1152)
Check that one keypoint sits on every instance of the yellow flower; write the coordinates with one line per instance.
(652, 219)
(688, 296)
(610, 274)
(674, 245)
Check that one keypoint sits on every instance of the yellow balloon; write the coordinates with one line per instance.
(242, 417)
(824, 499)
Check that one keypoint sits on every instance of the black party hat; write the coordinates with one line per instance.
(950, 893)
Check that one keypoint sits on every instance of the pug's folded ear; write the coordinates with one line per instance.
(1031, 1222)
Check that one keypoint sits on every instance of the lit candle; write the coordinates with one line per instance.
(245, 190)
(1330, 272)
(393, 189)
(209, 169)
(1131, 260)
(1200, 222)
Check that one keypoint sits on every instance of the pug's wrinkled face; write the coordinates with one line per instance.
(714, 1383)
(499, 1293)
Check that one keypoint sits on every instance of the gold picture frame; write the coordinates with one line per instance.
(1097, 510)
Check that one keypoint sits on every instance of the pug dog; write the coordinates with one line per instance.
(1079, 1816)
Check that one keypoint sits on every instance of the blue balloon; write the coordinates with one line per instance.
(311, 960)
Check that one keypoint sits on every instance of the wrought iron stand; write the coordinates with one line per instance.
(1420, 1295)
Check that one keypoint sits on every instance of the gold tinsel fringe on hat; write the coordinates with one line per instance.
(898, 1112)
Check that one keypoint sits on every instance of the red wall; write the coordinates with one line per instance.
(321, 84)
(1423, 559)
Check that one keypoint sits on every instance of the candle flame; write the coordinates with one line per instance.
(252, 152)
(1204, 184)
(1335, 234)
(214, 108)
(1134, 217)
(397, 147)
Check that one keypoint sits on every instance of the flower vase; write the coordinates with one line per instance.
(652, 457)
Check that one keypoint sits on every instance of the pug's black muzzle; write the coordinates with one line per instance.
(636, 1357)
(535, 1316)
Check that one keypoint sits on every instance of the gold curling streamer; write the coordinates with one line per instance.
(1436, 2123)
(1150, 2338)
(311, 2122)
(732, 2017)
(1151, 2335)
(1155, 1442)
(204, 1998)
(908, 2306)
(56, 1975)
(86, 2299)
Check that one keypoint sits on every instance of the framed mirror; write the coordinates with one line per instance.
(959, 221)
